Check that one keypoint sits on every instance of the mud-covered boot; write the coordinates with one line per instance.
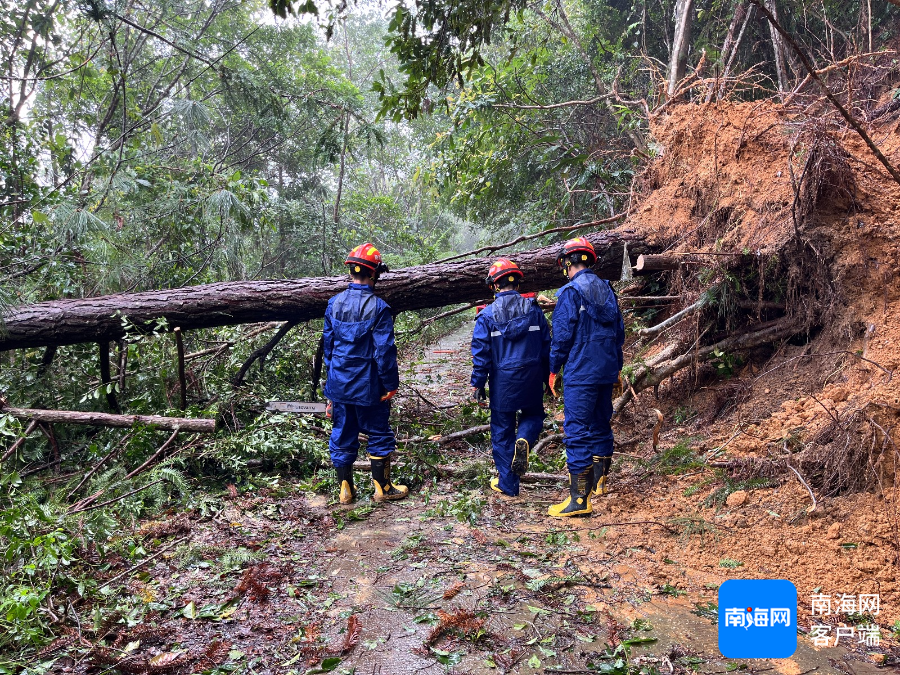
(520, 457)
(381, 477)
(495, 486)
(601, 472)
(345, 478)
(578, 503)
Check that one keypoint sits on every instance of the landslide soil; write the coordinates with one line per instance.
(725, 184)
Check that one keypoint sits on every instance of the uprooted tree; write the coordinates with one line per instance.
(100, 319)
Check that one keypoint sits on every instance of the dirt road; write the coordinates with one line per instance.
(452, 579)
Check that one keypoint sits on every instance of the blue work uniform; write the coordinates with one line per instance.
(361, 366)
(510, 351)
(588, 334)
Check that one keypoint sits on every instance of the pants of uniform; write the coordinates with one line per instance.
(588, 410)
(503, 441)
(349, 420)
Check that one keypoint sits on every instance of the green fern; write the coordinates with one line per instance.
(237, 558)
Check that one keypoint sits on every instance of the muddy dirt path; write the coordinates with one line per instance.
(453, 579)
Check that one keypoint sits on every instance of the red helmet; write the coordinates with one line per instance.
(503, 267)
(365, 255)
(578, 249)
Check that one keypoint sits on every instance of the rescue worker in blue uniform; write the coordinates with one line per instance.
(361, 376)
(588, 335)
(510, 352)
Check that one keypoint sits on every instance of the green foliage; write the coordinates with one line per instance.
(717, 497)
(730, 564)
(694, 525)
(466, 507)
(725, 363)
(671, 591)
(708, 610)
(678, 459)
(684, 413)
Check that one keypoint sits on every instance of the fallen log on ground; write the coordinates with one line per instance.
(675, 318)
(96, 419)
(657, 370)
(63, 322)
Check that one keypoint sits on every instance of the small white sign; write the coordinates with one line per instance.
(296, 407)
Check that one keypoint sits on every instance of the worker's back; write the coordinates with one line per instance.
(360, 354)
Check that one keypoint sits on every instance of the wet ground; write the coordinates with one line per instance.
(453, 579)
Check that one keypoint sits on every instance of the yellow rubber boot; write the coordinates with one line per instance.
(495, 486)
(348, 490)
(381, 477)
(600, 474)
(578, 503)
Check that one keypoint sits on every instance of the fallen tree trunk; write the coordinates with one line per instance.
(63, 322)
(657, 370)
(675, 318)
(193, 424)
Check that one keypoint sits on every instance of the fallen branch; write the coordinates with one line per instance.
(262, 352)
(143, 562)
(87, 476)
(161, 450)
(15, 446)
(653, 375)
(449, 438)
(231, 343)
(97, 419)
(551, 106)
(442, 315)
(547, 440)
(527, 237)
(82, 505)
(675, 318)
(84, 508)
(649, 298)
(806, 485)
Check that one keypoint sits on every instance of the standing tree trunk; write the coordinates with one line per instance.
(684, 14)
(105, 377)
(778, 47)
(731, 40)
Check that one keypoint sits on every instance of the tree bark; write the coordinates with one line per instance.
(182, 378)
(106, 378)
(657, 263)
(684, 14)
(778, 47)
(63, 322)
(97, 419)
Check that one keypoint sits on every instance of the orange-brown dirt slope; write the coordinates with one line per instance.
(805, 222)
